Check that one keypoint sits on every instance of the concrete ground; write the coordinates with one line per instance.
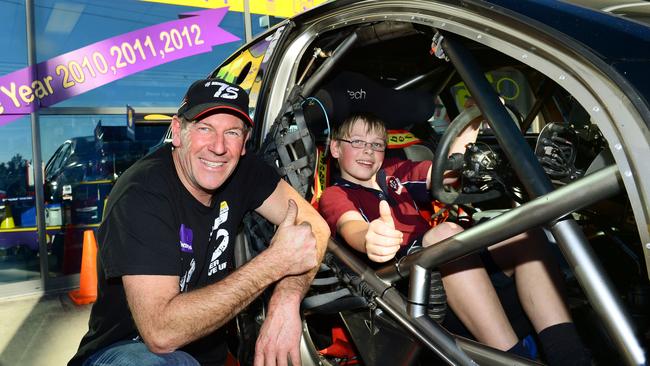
(40, 330)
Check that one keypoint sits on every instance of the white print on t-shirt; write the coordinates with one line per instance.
(221, 235)
(186, 278)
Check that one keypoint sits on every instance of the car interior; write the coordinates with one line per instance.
(402, 73)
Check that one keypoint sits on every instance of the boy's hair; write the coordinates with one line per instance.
(372, 122)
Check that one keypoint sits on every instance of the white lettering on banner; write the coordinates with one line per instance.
(39, 88)
(221, 235)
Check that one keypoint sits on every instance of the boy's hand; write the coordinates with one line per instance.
(382, 239)
(295, 245)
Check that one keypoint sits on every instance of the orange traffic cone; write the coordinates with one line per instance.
(87, 292)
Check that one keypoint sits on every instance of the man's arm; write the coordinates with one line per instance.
(279, 337)
(168, 319)
(273, 210)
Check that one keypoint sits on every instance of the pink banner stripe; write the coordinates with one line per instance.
(78, 71)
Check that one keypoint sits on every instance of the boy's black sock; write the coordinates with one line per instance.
(520, 350)
(562, 346)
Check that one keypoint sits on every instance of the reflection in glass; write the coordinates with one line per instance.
(18, 235)
(93, 151)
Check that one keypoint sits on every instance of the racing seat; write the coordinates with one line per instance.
(350, 93)
(346, 94)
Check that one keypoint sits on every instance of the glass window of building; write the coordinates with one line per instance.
(88, 138)
(18, 236)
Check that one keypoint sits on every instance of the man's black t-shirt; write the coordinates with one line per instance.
(154, 226)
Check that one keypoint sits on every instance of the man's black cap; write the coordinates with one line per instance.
(210, 96)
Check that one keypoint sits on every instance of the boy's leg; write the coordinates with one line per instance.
(536, 276)
(539, 287)
(471, 295)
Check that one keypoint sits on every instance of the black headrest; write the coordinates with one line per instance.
(351, 93)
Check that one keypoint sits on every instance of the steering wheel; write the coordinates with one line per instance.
(442, 162)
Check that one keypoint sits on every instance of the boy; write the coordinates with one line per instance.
(372, 208)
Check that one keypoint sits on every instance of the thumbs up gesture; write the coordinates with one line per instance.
(295, 245)
(382, 239)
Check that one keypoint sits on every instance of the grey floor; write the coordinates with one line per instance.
(40, 330)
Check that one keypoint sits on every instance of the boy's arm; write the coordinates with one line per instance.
(466, 136)
(352, 228)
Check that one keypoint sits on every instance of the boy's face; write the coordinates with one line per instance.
(359, 165)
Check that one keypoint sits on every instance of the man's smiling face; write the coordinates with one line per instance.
(206, 152)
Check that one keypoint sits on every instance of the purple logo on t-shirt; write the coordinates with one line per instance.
(186, 239)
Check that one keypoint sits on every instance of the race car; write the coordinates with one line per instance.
(564, 94)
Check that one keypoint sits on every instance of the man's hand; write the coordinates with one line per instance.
(279, 338)
(295, 249)
(382, 239)
(294, 245)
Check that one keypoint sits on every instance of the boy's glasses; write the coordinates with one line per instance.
(360, 144)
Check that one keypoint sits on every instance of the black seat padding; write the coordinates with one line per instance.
(351, 92)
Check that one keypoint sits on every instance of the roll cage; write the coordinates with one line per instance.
(467, 44)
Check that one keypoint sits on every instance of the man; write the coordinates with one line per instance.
(167, 282)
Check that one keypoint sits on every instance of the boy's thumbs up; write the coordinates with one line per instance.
(382, 240)
(385, 213)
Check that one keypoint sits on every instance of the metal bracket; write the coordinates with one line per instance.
(436, 48)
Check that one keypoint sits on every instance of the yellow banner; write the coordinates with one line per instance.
(278, 8)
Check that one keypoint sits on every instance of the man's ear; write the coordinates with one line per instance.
(248, 136)
(335, 145)
(176, 131)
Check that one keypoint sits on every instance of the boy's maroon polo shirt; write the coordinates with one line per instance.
(403, 185)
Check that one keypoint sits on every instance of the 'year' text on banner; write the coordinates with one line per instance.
(73, 73)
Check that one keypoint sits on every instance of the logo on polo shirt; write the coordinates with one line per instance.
(395, 184)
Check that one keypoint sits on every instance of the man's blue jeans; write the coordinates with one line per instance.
(136, 353)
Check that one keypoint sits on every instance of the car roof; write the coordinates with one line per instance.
(587, 21)
(635, 10)
(611, 42)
